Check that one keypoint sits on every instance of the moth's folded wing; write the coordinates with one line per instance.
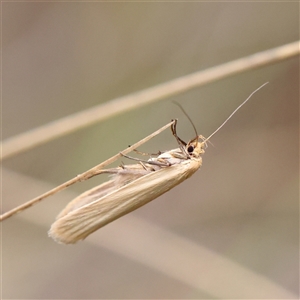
(88, 197)
(120, 177)
(81, 222)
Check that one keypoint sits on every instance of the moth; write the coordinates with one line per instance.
(130, 187)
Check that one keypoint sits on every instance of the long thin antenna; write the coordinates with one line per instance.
(235, 112)
(187, 117)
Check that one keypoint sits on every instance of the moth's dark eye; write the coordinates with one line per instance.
(190, 149)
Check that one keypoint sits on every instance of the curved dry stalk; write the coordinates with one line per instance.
(30, 139)
(84, 176)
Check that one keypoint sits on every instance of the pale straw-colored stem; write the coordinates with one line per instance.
(30, 139)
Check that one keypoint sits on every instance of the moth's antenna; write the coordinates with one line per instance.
(235, 111)
(187, 116)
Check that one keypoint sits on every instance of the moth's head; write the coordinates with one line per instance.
(196, 147)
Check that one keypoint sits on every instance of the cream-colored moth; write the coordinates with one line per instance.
(131, 187)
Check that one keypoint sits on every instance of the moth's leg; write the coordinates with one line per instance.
(161, 162)
(155, 163)
(145, 153)
(174, 132)
(145, 167)
(180, 142)
(133, 158)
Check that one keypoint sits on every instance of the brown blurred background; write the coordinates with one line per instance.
(232, 230)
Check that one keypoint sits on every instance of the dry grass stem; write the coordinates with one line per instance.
(30, 139)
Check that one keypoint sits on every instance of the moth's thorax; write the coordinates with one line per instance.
(172, 157)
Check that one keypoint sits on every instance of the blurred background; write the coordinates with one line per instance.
(232, 230)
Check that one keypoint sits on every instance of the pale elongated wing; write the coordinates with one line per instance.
(81, 222)
(88, 197)
(120, 177)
